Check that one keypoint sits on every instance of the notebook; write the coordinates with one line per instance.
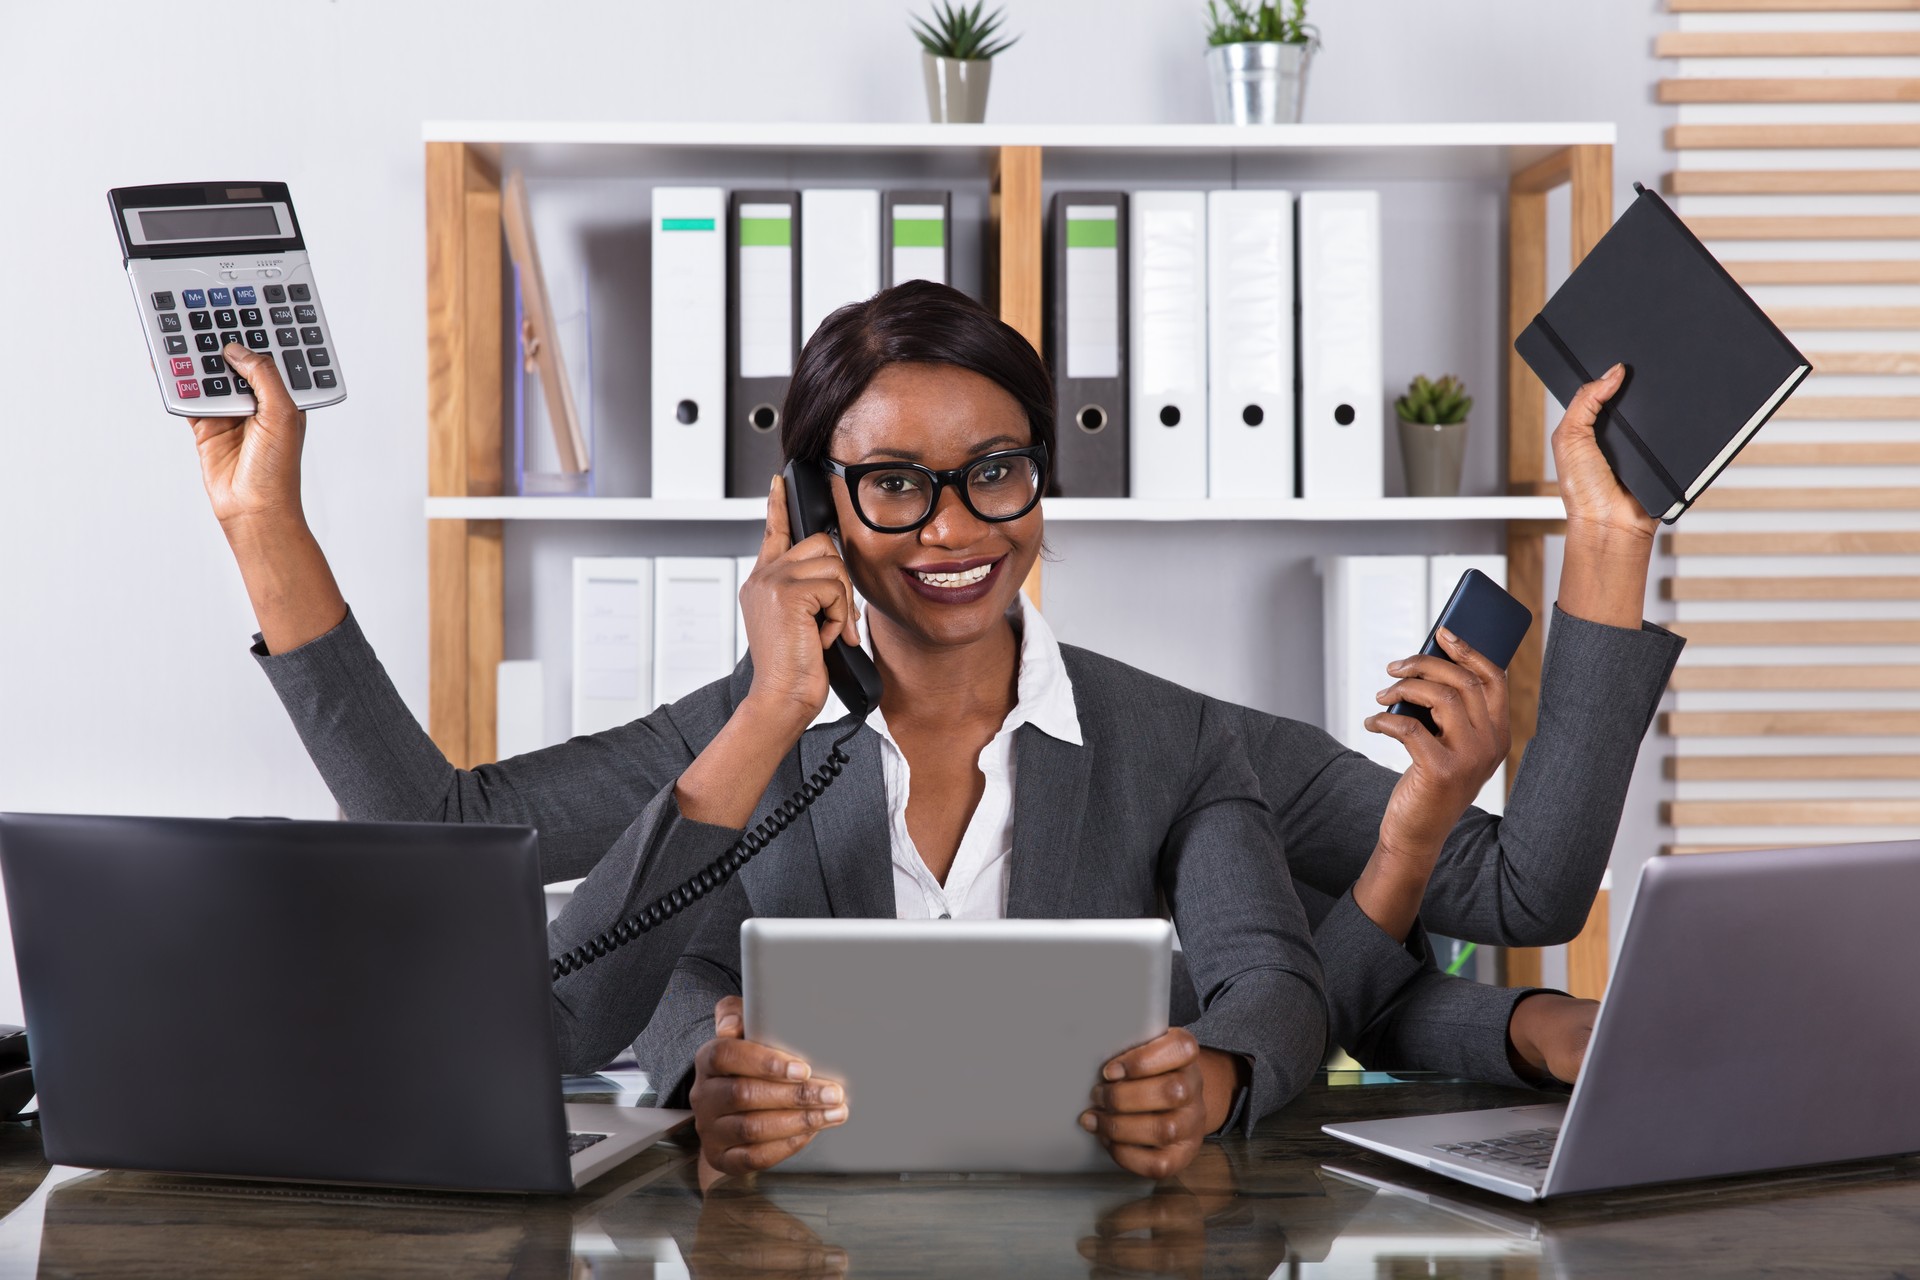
(1705, 367)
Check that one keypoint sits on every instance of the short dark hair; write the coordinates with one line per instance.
(914, 323)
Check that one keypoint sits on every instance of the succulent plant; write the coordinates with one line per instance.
(961, 32)
(1280, 21)
(1440, 403)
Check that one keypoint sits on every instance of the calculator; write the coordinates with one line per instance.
(219, 262)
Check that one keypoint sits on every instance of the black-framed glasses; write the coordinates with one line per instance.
(899, 497)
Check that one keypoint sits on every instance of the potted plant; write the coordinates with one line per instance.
(959, 46)
(1433, 435)
(1259, 53)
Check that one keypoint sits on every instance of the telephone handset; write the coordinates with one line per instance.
(853, 677)
(810, 510)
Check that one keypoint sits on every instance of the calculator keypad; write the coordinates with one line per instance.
(200, 319)
(193, 298)
(287, 337)
(217, 316)
(176, 344)
(250, 316)
(299, 293)
(296, 366)
(205, 342)
(226, 318)
(280, 315)
(243, 295)
(274, 292)
(220, 297)
(257, 339)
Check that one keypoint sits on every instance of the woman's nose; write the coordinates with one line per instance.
(952, 524)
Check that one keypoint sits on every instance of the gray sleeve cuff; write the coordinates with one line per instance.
(1363, 968)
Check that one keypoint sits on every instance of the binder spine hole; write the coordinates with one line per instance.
(1253, 415)
(1343, 414)
(1170, 416)
(687, 411)
(1091, 419)
(763, 418)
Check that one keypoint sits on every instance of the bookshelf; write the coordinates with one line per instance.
(1001, 167)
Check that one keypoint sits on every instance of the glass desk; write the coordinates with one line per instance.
(1287, 1202)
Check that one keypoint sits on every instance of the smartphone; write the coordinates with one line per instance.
(1482, 614)
(810, 510)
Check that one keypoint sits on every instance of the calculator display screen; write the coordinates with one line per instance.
(208, 222)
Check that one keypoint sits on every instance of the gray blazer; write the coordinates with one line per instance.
(1524, 880)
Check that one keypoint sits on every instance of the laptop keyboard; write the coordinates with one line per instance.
(1524, 1148)
(578, 1142)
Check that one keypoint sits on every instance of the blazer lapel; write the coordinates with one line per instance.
(1049, 799)
(850, 831)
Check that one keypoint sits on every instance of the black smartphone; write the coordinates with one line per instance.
(1481, 613)
(810, 510)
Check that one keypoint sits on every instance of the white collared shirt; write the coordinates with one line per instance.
(976, 887)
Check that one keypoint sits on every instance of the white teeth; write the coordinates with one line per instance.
(963, 579)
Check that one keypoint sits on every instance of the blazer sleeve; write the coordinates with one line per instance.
(1245, 936)
(1527, 879)
(708, 969)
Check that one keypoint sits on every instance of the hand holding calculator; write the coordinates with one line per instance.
(218, 263)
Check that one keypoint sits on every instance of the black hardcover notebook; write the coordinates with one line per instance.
(1705, 367)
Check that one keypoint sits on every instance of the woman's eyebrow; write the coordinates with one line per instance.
(908, 455)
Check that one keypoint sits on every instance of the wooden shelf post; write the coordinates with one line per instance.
(466, 611)
(1015, 242)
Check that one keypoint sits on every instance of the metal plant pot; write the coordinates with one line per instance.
(1432, 456)
(1259, 82)
(956, 88)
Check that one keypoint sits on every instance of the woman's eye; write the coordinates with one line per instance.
(992, 473)
(898, 482)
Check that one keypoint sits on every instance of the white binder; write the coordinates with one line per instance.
(919, 240)
(1443, 575)
(1376, 613)
(839, 252)
(1342, 393)
(693, 623)
(1250, 416)
(1168, 341)
(612, 641)
(520, 707)
(689, 400)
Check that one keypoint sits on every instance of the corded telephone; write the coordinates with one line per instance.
(854, 679)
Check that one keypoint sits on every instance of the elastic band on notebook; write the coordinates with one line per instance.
(1674, 491)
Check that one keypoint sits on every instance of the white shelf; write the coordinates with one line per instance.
(1113, 510)
(1385, 151)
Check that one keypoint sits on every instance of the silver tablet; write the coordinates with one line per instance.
(966, 1046)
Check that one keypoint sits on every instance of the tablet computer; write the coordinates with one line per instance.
(965, 1046)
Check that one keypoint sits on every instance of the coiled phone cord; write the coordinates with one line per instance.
(715, 873)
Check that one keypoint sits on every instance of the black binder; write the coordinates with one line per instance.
(1086, 342)
(754, 402)
(1706, 368)
(902, 238)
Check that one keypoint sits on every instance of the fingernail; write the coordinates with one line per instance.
(1617, 367)
(1113, 1071)
(728, 1026)
(798, 1071)
(1397, 666)
(1382, 695)
(1448, 635)
(1087, 1121)
(835, 1115)
(831, 1094)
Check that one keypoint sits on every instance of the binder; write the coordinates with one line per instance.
(689, 396)
(612, 641)
(1443, 574)
(1250, 347)
(763, 332)
(918, 230)
(520, 707)
(1086, 342)
(1167, 336)
(693, 612)
(1375, 613)
(839, 252)
(1342, 392)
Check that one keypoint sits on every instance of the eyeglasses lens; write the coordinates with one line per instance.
(898, 498)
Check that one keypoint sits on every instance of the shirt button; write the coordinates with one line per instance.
(945, 916)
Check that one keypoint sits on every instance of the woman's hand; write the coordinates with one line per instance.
(784, 600)
(251, 466)
(1547, 1035)
(754, 1106)
(1150, 1109)
(1603, 577)
(1467, 698)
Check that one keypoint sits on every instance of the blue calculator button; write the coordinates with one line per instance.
(243, 295)
(194, 297)
(219, 297)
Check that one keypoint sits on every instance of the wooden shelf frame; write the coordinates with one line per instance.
(467, 422)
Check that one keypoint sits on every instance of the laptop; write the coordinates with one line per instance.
(327, 1001)
(1764, 1014)
(966, 1046)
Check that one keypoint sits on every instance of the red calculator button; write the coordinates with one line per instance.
(187, 389)
(182, 366)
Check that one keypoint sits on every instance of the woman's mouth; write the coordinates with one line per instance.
(959, 582)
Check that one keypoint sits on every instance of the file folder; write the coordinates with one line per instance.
(612, 641)
(763, 332)
(1087, 342)
(918, 229)
(839, 252)
(1167, 455)
(693, 611)
(689, 349)
(1250, 346)
(1342, 391)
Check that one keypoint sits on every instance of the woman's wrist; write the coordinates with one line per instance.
(1603, 576)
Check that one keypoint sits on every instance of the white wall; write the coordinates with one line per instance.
(124, 681)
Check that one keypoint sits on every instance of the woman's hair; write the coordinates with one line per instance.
(914, 323)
